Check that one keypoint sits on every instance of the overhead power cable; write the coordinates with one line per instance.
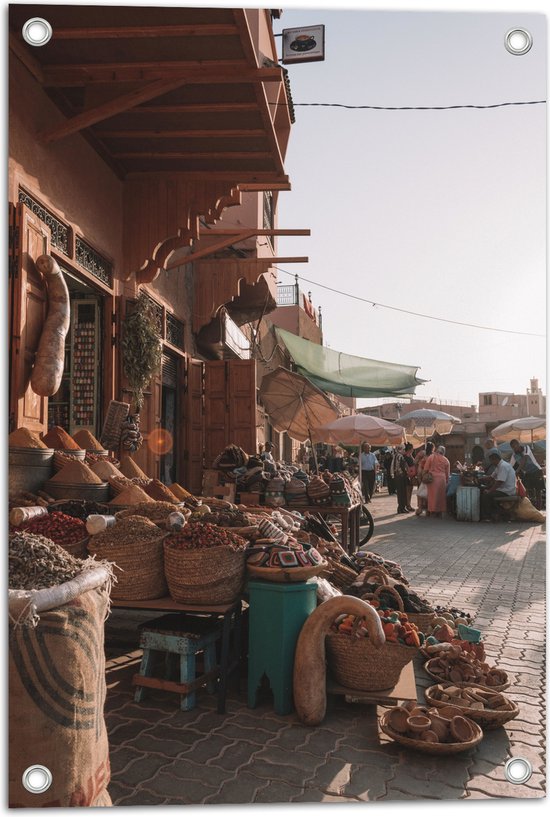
(409, 311)
(409, 107)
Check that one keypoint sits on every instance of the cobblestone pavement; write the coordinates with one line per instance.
(161, 755)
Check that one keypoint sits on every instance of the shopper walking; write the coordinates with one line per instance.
(398, 470)
(369, 467)
(439, 467)
(388, 457)
(411, 475)
(422, 501)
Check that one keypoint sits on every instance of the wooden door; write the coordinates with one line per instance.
(216, 408)
(194, 427)
(28, 303)
(241, 389)
(229, 406)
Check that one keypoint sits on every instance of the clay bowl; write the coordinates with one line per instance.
(398, 718)
(487, 718)
(427, 746)
(418, 723)
(429, 736)
(428, 667)
(461, 729)
(440, 725)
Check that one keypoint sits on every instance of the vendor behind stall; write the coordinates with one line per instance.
(502, 483)
(524, 463)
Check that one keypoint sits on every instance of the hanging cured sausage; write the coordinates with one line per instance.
(50, 356)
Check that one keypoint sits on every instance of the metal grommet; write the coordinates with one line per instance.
(37, 779)
(37, 31)
(518, 41)
(518, 770)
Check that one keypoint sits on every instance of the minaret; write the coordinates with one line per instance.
(534, 399)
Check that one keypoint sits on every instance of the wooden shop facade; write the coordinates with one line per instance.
(136, 137)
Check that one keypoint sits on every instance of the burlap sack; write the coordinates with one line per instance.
(56, 698)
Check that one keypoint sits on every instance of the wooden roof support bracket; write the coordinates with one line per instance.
(234, 236)
(110, 108)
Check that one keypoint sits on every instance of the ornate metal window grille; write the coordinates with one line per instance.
(60, 233)
(175, 331)
(159, 314)
(93, 262)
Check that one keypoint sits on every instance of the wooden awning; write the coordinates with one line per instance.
(163, 90)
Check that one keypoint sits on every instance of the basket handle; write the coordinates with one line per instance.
(377, 573)
(387, 589)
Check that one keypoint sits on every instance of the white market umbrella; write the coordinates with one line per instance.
(423, 423)
(523, 429)
(355, 429)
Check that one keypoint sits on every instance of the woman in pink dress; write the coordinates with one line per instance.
(440, 467)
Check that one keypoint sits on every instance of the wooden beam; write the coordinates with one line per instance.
(265, 113)
(124, 32)
(21, 51)
(257, 231)
(110, 108)
(212, 72)
(259, 179)
(198, 107)
(241, 133)
(185, 154)
(212, 248)
(254, 187)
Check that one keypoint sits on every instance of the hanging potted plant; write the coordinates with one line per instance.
(141, 357)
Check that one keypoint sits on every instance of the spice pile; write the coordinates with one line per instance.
(59, 527)
(126, 532)
(57, 437)
(155, 511)
(159, 492)
(23, 438)
(199, 535)
(36, 562)
(76, 473)
(132, 495)
(225, 519)
(84, 439)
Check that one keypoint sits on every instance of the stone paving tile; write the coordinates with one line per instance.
(331, 776)
(143, 768)
(240, 789)
(142, 797)
(163, 740)
(367, 782)
(179, 790)
(420, 789)
(117, 791)
(313, 796)
(207, 749)
(236, 755)
(122, 757)
(268, 770)
(278, 791)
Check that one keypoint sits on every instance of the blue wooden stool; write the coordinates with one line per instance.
(178, 636)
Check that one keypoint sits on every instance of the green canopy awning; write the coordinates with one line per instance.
(349, 375)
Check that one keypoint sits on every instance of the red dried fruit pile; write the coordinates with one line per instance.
(59, 527)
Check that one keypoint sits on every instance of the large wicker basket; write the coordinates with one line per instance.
(431, 748)
(139, 569)
(204, 576)
(357, 664)
(422, 620)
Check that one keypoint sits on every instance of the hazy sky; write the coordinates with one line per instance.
(438, 212)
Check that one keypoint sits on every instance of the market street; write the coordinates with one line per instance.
(496, 572)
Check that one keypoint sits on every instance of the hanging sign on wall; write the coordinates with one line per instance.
(303, 44)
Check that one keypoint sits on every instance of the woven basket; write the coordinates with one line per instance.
(357, 664)
(285, 574)
(139, 568)
(441, 680)
(78, 549)
(431, 748)
(206, 576)
(487, 718)
(421, 620)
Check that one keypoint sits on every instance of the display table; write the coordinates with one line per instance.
(404, 690)
(230, 615)
(350, 518)
(277, 614)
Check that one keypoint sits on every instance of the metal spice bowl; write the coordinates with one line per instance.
(59, 490)
(29, 468)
